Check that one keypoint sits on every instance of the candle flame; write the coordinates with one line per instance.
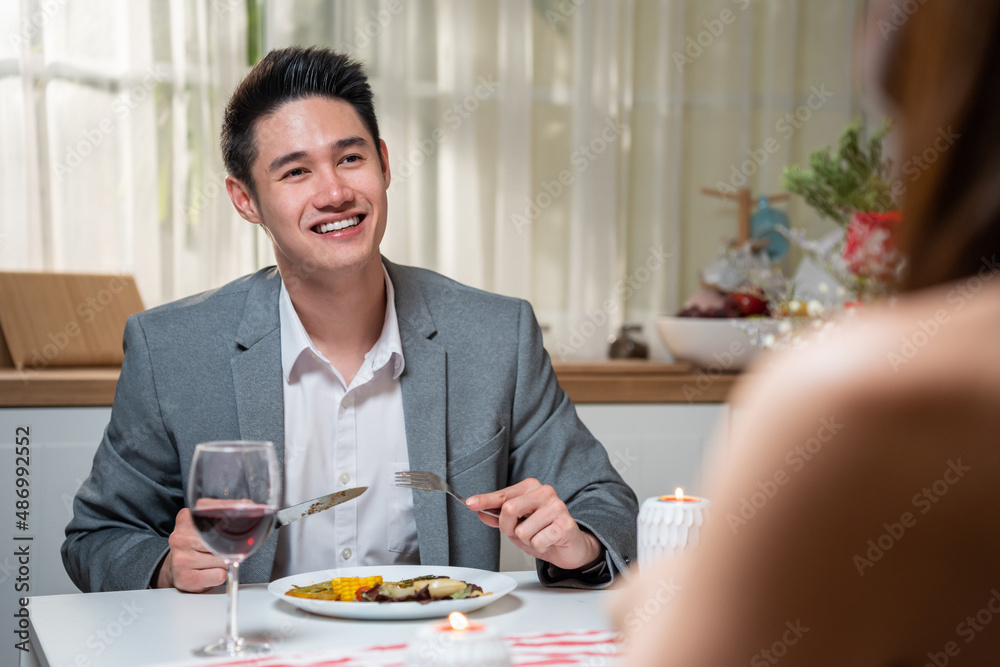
(679, 493)
(458, 620)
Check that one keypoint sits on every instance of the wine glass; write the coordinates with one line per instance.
(233, 494)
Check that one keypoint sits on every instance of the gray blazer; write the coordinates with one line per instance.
(482, 406)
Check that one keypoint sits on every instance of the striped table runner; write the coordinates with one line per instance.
(590, 648)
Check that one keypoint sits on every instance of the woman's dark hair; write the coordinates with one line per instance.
(940, 72)
(284, 75)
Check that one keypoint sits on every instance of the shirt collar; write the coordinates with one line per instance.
(297, 349)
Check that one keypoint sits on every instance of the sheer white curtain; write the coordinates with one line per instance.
(554, 150)
(109, 121)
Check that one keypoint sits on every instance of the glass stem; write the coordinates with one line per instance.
(233, 640)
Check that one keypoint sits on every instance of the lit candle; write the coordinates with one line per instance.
(460, 622)
(457, 643)
(680, 497)
(669, 525)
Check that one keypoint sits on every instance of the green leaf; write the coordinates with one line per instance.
(852, 179)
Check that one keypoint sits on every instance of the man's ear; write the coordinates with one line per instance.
(244, 203)
(384, 151)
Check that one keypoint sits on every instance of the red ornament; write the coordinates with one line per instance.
(870, 250)
(749, 304)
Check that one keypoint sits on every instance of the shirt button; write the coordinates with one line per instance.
(346, 554)
(345, 478)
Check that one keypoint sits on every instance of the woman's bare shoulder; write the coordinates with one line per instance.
(831, 446)
(941, 343)
(894, 382)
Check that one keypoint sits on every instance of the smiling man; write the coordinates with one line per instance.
(356, 368)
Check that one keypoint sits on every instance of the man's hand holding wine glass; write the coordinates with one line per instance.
(189, 566)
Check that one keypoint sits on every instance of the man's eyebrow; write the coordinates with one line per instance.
(280, 161)
(347, 142)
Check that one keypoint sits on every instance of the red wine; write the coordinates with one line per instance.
(234, 531)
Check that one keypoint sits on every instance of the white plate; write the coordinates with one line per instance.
(491, 582)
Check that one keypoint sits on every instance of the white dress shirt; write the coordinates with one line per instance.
(337, 437)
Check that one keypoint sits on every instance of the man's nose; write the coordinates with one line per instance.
(334, 191)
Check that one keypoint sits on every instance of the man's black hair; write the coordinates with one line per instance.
(285, 75)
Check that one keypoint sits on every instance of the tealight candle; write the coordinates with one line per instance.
(669, 525)
(457, 643)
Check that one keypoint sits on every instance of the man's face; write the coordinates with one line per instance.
(317, 168)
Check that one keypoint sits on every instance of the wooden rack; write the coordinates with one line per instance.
(745, 200)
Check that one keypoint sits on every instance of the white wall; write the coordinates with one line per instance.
(62, 446)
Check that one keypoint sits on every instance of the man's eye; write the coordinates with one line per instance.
(295, 172)
(352, 158)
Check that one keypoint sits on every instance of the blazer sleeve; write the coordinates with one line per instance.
(125, 510)
(550, 443)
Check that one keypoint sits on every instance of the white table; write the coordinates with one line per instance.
(153, 627)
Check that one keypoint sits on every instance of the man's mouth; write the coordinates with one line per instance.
(327, 227)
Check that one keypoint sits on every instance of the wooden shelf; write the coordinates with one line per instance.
(53, 387)
(585, 382)
(642, 382)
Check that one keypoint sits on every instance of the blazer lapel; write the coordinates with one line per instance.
(256, 369)
(424, 387)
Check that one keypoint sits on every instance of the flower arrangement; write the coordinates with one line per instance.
(851, 186)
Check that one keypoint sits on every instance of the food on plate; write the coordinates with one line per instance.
(427, 588)
(340, 588)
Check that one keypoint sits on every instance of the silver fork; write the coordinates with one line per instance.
(422, 480)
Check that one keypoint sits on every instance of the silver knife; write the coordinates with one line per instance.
(317, 505)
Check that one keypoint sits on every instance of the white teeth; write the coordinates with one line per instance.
(337, 226)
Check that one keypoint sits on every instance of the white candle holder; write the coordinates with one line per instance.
(441, 645)
(669, 525)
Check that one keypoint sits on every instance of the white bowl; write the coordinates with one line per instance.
(711, 342)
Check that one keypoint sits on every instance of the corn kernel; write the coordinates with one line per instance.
(344, 588)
